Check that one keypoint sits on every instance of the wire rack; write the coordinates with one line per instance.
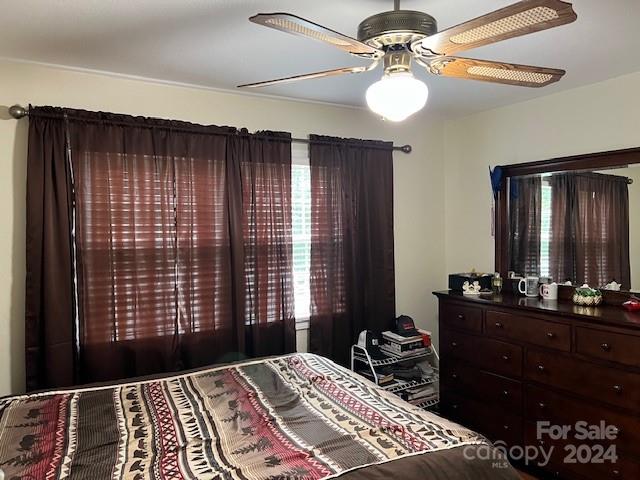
(402, 385)
(360, 355)
(430, 402)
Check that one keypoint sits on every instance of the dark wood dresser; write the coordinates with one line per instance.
(508, 362)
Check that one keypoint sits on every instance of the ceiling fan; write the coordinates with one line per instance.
(398, 37)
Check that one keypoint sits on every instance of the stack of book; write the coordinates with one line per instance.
(399, 346)
(417, 395)
(385, 377)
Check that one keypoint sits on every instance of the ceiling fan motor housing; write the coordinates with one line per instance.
(397, 27)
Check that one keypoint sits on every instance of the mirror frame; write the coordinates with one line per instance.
(589, 161)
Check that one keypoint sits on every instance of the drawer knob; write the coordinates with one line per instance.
(454, 344)
(542, 405)
(506, 427)
(454, 376)
(499, 325)
(461, 316)
(505, 393)
(541, 368)
(454, 406)
(606, 347)
(618, 388)
(551, 335)
(616, 473)
(505, 358)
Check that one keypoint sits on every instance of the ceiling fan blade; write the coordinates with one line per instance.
(289, 23)
(496, 72)
(522, 18)
(309, 76)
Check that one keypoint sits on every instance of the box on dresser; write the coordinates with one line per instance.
(508, 363)
(456, 280)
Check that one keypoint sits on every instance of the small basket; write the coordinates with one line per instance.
(587, 297)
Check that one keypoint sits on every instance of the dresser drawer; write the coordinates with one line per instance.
(553, 407)
(605, 384)
(624, 468)
(528, 329)
(458, 375)
(492, 355)
(459, 346)
(483, 418)
(501, 392)
(610, 346)
(461, 317)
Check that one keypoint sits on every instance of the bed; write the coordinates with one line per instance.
(292, 417)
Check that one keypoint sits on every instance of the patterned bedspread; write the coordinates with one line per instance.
(297, 416)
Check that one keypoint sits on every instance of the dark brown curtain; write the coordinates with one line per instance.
(525, 212)
(160, 238)
(602, 230)
(590, 228)
(562, 242)
(49, 306)
(352, 257)
(265, 168)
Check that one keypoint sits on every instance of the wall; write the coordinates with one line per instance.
(419, 186)
(598, 117)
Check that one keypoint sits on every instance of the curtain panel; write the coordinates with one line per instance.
(352, 253)
(163, 234)
(562, 244)
(590, 229)
(525, 215)
(265, 171)
(601, 224)
(49, 308)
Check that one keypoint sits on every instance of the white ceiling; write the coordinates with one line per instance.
(211, 43)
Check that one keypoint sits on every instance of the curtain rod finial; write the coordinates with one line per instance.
(406, 148)
(18, 111)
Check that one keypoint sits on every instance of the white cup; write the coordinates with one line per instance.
(549, 291)
(529, 286)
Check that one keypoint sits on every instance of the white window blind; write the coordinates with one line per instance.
(301, 235)
(545, 228)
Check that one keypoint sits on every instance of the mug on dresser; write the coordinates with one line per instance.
(529, 286)
(549, 291)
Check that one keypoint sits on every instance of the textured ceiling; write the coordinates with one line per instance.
(211, 43)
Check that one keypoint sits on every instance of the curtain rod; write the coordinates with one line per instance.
(18, 112)
(628, 180)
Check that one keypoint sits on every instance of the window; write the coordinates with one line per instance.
(301, 234)
(545, 228)
(154, 243)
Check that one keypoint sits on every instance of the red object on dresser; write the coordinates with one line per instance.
(632, 305)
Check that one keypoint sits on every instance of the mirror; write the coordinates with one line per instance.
(578, 226)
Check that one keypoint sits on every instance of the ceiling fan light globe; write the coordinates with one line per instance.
(397, 96)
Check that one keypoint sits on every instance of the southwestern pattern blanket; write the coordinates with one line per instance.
(297, 416)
